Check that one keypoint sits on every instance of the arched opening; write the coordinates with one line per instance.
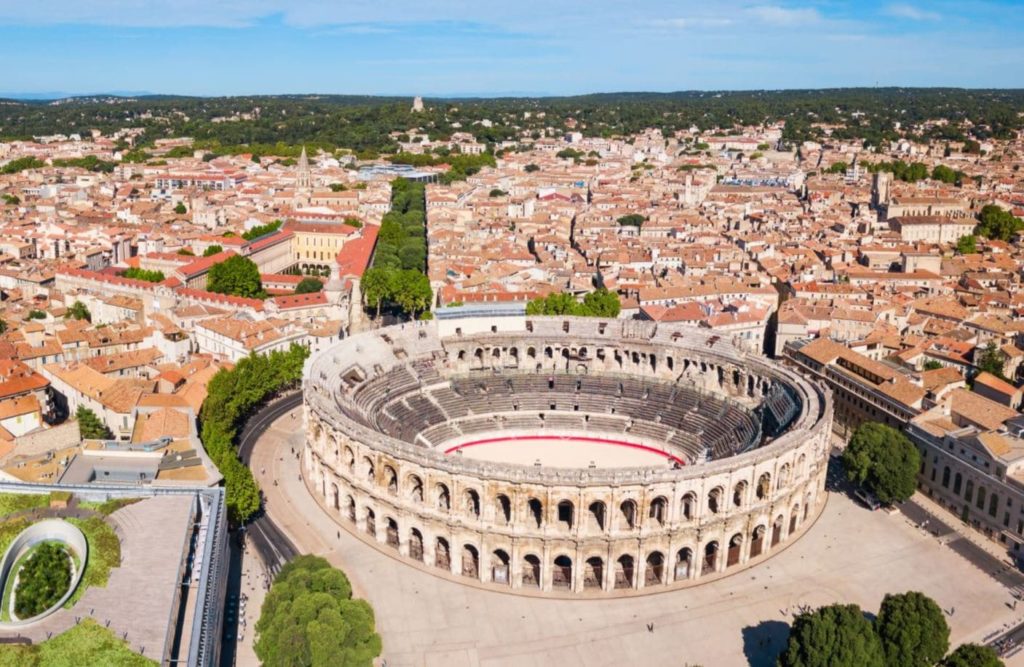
(470, 562)
(336, 495)
(710, 558)
(783, 476)
(957, 483)
(561, 576)
(733, 555)
(659, 510)
(757, 541)
(764, 486)
(981, 498)
(597, 514)
(504, 510)
(444, 499)
(777, 529)
(531, 352)
(655, 569)
(415, 489)
(794, 516)
(536, 511)
(565, 514)
(531, 571)
(368, 471)
(945, 477)
(416, 545)
(442, 554)
(499, 567)
(391, 479)
(624, 571)
(371, 522)
(472, 502)
(628, 512)
(739, 493)
(351, 504)
(684, 561)
(593, 573)
(350, 460)
(392, 533)
(689, 503)
(715, 500)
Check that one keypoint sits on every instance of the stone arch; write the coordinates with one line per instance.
(415, 485)
(625, 571)
(598, 514)
(684, 563)
(416, 544)
(794, 518)
(391, 480)
(777, 527)
(535, 510)
(443, 498)
(368, 470)
(442, 554)
(757, 540)
(531, 571)
(735, 547)
(470, 561)
(500, 568)
(658, 510)
(739, 493)
(593, 573)
(566, 514)
(350, 459)
(503, 509)
(655, 571)
(783, 476)
(715, 500)
(627, 512)
(371, 522)
(710, 557)
(471, 500)
(336, 495)
(764, 486)
(688, 505)
(350, 504)
(561, 575)
(391, 535)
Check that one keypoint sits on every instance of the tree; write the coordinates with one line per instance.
(997, 223)
(89, 425)
(412, 291)
(180, 209)
(3, 326)
(308, 286)
(883, 461)
(967, 245)
(212, 250)
(530, 168)
(262, 230)
(933, 365)
(943, 173)
(42, 580)
(137, 273)
(186, 251)
(78, 311)
(973, 655)
(912, 629)
(991, 360)
(632, 220)
(833, 636)
(374, 285)
(237, 276)
(310, 618)
(11, 200)
(601, 303)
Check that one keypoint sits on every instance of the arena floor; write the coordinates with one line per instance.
(849, 555)
(563, 452)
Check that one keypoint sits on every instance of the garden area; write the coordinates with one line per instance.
(85, 644)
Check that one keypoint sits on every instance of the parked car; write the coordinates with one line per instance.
(867, 499)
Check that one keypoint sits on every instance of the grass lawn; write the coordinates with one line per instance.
(85, 644)
(108, 507)
(15, 502)
(104, 554)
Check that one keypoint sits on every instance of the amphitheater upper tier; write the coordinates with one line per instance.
(564, 454)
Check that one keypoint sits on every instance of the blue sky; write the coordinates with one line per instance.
(436, 47)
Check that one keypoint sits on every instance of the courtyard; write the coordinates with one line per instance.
(850, 555)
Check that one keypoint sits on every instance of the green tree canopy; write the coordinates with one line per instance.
(149, 276)
(991, 359)
(89, 425)
(883, 461)
(599, 303)
(972, 655)
(237, 276)
(213, 250)
(997, 223)
(912, 629)
(262, 230)
(967, 245)
(632, 220)
(833, 636)
(308, 286)
(180, 209)
(310, 619)
(42, 580)
(78, 311)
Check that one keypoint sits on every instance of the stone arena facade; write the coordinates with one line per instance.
(741, 446)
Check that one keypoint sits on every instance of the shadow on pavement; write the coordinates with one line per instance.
(762, 643)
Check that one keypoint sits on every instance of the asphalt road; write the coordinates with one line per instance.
(273, 545)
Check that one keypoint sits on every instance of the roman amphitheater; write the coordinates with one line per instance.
(564, 456)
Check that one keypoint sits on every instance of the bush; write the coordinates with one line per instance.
(136, 273)
(43, 579)
(310, 618)
(308, 286)
(89, 425)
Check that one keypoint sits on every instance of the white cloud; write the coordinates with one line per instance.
(784, 16)
(911, 12)
(684, 23)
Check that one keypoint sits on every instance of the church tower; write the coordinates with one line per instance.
(305, 178)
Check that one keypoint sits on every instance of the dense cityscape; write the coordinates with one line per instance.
(289, 380)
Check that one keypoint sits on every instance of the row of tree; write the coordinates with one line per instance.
(599, 303)
(232, 395)
(262, 230)
(310, 618)
(149, 275)
(909, 631)
(407, 289)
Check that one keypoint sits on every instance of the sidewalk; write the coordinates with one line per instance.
(253, 574)
(954, 522)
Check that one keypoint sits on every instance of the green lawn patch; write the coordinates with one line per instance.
(17, 502)
(85, 644)
(104, 554)
(108, 507)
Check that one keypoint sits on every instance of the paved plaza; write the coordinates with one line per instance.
(850, 555)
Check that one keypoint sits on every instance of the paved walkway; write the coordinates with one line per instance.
(850, 555)
(254, 578)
